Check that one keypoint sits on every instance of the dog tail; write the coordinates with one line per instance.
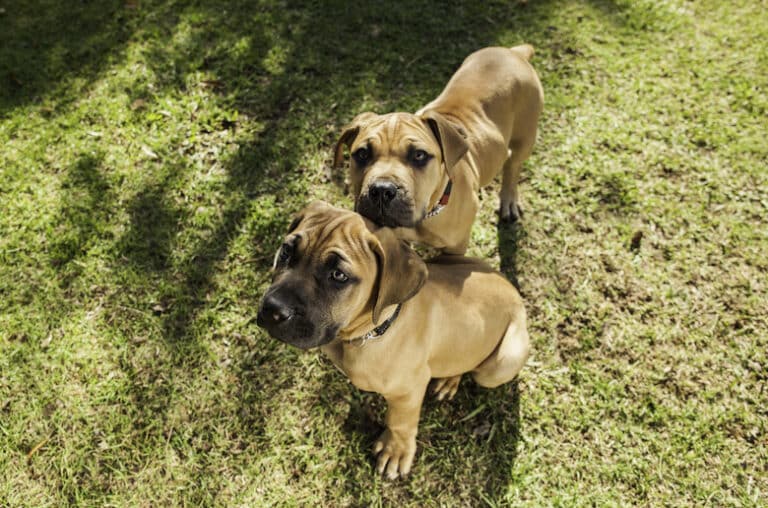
(524, 50)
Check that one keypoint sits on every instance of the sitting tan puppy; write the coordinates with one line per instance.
(421, 173)
(389, 321)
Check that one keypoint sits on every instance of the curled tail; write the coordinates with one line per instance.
(524, 50)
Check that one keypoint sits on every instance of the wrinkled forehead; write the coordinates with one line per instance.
(393, 126)
(343, 234)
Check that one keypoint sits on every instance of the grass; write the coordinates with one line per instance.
(154, 151)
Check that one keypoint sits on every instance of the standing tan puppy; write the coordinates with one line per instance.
(389, 321)
(421, 173)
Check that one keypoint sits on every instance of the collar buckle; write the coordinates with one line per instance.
(377, 332)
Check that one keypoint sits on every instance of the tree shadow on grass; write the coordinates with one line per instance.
(332, 59)
(299, 71)
(43, 43)
(87, 199)
(149, 240)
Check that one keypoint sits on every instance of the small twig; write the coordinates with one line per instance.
(413, 61)
(37, 447)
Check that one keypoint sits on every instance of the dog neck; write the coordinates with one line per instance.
(360, 332)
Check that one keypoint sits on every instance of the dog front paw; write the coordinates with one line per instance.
(446, 387)
(395, 454)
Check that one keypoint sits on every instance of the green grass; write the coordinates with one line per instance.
(154, 151)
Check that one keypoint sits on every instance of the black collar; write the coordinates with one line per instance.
(376, 332)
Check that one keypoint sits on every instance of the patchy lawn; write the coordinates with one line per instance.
(153, 152)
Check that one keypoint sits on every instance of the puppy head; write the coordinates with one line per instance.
(398, 163)
(333, 268)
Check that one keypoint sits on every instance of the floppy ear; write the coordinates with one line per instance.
(297, 218)
(296, 221)
(401, 271)
(348, 135)
(451, 137)
(307, 212)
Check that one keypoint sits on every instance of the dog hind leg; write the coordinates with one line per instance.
(507, 359)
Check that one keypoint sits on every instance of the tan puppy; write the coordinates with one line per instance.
(484, 121)
(389, 321)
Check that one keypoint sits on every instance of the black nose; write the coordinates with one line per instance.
(382, 192)
(273, 312)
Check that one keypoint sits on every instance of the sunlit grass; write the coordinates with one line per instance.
(153, 153)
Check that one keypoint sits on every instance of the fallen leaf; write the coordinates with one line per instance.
(149, 153)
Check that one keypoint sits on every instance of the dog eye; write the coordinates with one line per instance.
(362, 155)
(420, 157)
(339, 276)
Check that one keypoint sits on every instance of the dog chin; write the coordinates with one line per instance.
(401, 217)
(311, 341)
